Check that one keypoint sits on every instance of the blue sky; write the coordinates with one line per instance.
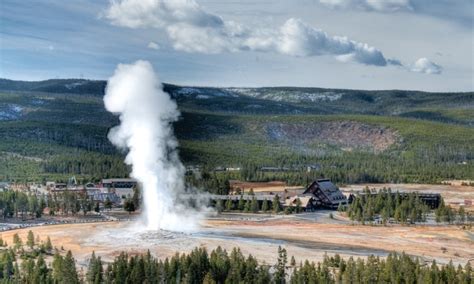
(360, 44)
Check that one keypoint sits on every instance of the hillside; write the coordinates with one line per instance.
(57, 128)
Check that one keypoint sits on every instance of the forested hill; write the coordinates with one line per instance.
(444, 107)
(57, 128)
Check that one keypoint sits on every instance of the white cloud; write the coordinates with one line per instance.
(298, 39)
(153, 45)
(192, 29)
(226, 37)
(371, 5)
(424, 65)
(293, 38)
(159, 13)
(458, 11)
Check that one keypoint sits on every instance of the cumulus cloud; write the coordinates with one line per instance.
(192, 29)
(153, 45)
(159, 13)
(372, 5)
(458, 11)
(424, 65)
(298, 39)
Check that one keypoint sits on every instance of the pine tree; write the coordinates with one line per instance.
(7, 263)
(229, 205)
(48, 245)
(247, 206)
(30, 239)
(208, 279)
(95, 271)
(265, 206)
(293, 261)
(68, 271)
(462, 215)
(219, 265)
(254, 205)
(276, 204)
(241, 204)
(263, 275)
(251, 269)
(340, 208)
(219, 206)
(57, 266)
(298, 205)
(28, 268)
(17, 241)
(280, 267)
(17, 273)
(385, 215)
(136, 197)
(41, 272)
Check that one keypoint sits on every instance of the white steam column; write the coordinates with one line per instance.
(146, 113)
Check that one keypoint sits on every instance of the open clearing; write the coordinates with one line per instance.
(305, 236)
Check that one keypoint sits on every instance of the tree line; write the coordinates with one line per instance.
(29, 205)
(386, 205)
(249, 205)
(26, 263)
(252, 205)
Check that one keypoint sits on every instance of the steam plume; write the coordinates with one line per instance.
(146, 112)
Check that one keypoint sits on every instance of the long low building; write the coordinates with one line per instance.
(258, 197)
(119, 183)
(433, 200)
(123, 187)
(102, 197)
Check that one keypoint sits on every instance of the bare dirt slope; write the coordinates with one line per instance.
(346, 134)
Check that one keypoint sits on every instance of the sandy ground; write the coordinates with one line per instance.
(306, 236)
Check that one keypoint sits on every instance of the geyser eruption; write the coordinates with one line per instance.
(146, 113)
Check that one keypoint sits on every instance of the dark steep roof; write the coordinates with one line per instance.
(331, 190)
(327, 193)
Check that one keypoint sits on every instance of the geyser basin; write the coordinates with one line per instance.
(303, 238)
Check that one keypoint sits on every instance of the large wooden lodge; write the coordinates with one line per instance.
(320, 194)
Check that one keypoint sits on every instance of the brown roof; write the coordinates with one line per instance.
(305, 200)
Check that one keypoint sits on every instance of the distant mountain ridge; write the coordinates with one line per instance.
(97, 87)
(75, 86)
(443, 107)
